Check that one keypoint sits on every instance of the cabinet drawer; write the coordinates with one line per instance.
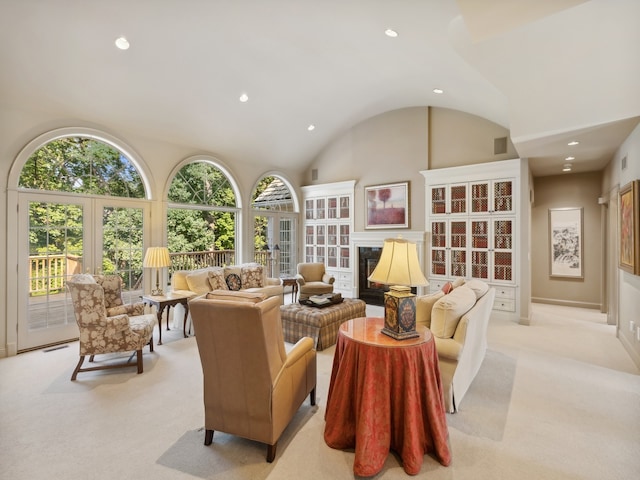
(343, 277)
(504, 305)
(436, 285)
(505, 293)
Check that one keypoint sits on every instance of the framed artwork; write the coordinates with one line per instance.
(565, 242)
(387, 205)
(629, 229)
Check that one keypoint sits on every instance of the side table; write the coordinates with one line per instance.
(384, 395)
(167, 301)
(291, 282)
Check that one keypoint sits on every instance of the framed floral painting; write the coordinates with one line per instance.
(387, 205)
(629, 228)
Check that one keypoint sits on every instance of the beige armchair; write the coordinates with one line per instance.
(252, 387)
(313, 280)
(107, 329)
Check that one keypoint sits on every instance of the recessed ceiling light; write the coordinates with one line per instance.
(122, 43)
(566, 167)
(568, 159)
(244, 98)
(571, 144)
(438, 90)
(311, 127)
(389, 32)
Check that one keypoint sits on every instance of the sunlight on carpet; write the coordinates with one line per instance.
(484, 409)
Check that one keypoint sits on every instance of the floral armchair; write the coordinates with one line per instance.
(107, 329)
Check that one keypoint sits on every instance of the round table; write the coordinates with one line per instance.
(386, 394)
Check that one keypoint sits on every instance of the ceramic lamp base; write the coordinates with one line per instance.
(400, 313)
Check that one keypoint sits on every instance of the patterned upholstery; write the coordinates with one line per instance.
(101, 333)
(112, 285)
(321, 324)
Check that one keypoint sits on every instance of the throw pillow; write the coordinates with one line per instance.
(478, 286)
(198, 281)
(424, 305)
(458, 282)
(234, 282)
(448, 310)
(216, 279)
(251, 275)
(447, 287)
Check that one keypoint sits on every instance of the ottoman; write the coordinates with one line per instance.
(321, 324)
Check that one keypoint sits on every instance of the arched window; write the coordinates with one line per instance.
(81, 208)
(275, 224)
(81, 165)
(202, 216)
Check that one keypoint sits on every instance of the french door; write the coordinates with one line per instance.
(59, 236)
(278, 229)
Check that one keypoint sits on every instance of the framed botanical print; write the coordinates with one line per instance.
(565, 242)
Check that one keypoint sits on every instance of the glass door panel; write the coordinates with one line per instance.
(123, 248)
(52, 244)
(287, 261)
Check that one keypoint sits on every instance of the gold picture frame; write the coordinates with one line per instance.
(387, 205)
(629, 226)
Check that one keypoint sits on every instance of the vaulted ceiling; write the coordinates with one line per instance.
(551, 71)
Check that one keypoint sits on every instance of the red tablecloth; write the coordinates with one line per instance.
(386, 395)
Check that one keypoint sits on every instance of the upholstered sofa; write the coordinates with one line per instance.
(458, 318)
(246, 277)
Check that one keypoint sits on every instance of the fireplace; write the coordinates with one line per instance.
(371, 293)
(368, 246)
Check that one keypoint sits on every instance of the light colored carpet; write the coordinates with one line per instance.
(558, 399)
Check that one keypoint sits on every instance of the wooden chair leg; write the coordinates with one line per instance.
(75, 372)
(208, 437)
(271, 452)
(139, 352)
(151, 343)
(91, 358)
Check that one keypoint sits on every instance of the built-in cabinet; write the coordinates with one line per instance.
(328, 226)
(472, 216)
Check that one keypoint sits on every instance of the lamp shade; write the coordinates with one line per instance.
(399, 265)
(156, 257)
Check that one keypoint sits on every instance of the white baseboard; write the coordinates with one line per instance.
(566, 303)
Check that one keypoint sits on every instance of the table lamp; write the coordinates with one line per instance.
(157, 257)
(399, 268)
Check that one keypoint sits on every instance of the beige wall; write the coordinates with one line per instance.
(396, 145)
(567, 191)
(625, 300)
(459, 138)
(387, 148)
